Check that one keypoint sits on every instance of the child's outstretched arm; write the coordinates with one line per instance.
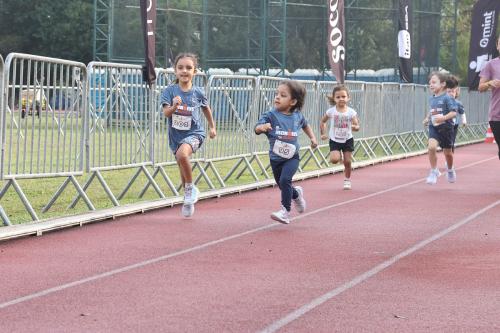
(207, 111)
(322, 127)
(355, 124)
(263, 128)
(426, 120)
(168, 110)
(309, 132)
(450, 115)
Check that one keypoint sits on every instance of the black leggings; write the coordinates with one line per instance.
(495, 128)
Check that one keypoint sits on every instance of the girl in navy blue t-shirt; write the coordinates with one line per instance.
(443, 110)
(281, 125)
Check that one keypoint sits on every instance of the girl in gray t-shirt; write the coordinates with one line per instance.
(183, 104)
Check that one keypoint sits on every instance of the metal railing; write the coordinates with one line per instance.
(3, 215)
(60, 118)
(43, 123)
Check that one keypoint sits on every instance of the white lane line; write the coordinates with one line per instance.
(294, 315)
(199, 247)
(382, 192)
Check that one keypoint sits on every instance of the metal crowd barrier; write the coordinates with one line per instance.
(232, 101)
(43, 120)
(120, 131)
(60, 119)
(2, 107)
(313, 115)
(3, 215)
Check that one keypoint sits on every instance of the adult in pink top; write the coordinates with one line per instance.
(490, 80)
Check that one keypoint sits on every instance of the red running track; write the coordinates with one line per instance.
(392, 255)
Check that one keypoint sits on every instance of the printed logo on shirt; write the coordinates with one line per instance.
(185, 110)
(341, 121)
(436, 111)
(285, 135)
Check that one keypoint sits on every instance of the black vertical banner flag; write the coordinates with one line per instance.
(148, 18)
(336, 38)
(482, 47)
(404, 41)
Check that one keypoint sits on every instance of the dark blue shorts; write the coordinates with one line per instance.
(444, 134)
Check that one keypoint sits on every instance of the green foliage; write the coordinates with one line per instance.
(61, 29)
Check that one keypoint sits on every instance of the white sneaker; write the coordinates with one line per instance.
(433, 176)
(451, 175)
(191, 195)
(187, 210)
(347, 184)
(300, 202)
(282, 216)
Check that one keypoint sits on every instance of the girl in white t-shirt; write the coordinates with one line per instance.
(343, 120)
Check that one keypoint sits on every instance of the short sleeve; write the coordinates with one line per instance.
(461, 109)
(486, 71)
(329, 112)
(166, 96)
(264, 118)
(451, 105)
(202, 97)
(303, 121)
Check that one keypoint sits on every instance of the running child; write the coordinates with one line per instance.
(281, 125)
(443, 110)
(182, 103)
(343, 121)
(453, 89)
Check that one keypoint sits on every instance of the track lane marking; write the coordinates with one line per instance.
(294, 315)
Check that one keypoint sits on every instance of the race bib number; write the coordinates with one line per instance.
(435, 113)
(283, 149)
(181, 123)
(341, 134)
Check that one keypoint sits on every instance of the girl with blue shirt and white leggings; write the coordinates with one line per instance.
(443, 110)
(182, 104)
(281, 125)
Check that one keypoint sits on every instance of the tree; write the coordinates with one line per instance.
(60, 29)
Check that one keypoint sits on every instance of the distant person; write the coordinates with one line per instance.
(453, 89)
(281, 125)
(182, 104)
(440, 121)
(490, 79)
(343, 121)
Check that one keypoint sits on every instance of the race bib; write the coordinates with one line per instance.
(283, 149)
(181, 123)
(341, 134)
(435, 113)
